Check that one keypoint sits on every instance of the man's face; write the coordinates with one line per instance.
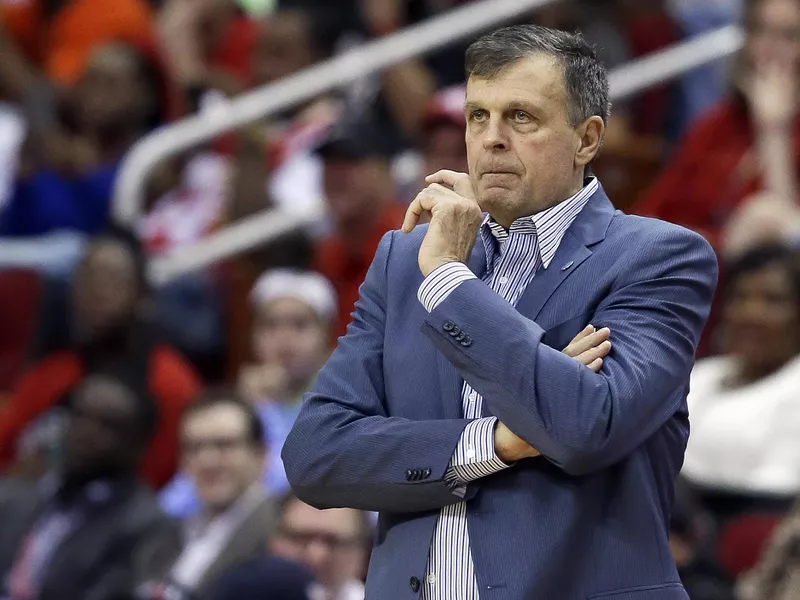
(105, 289)
(328, 542)
(287, 332)
(219, 456)
(353, 186)
(102, 437)
(521, 147)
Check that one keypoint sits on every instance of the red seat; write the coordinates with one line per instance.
(20, 298)
(742, 541)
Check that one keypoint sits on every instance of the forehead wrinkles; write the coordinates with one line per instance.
(537, 80)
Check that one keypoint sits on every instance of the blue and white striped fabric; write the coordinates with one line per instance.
(513, 258)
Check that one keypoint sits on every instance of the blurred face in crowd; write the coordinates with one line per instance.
(105, 289)
(105, 433)
(773, 33)
(331, 543)
(355, 188)
(521, 148)
(444, 148)
(220, 455)
(113, 91)
(761, 319)
(287, 332)
(284, 46)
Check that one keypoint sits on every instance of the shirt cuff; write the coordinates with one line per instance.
(474, 456)
(440, 282)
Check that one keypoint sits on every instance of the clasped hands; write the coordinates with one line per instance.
(455, 219)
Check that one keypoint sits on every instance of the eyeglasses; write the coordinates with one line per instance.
(331, 540)
(221, 444)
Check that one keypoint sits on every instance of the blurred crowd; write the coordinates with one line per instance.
(141, 424)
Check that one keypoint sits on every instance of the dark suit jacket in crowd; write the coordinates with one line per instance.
(122, 541)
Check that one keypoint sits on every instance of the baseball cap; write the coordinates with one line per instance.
(356, 140)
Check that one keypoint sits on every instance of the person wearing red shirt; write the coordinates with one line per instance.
(360, 193)
(747, 145)
(108, 334)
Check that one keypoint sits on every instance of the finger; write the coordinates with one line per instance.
(413, 213)
(587, 342)
(444, 177)
(596, 365)
(589, 329)
(590, 355)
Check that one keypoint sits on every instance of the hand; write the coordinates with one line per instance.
(772, 95)
(258, 382)
(762, 218)
(455, 219)
(509, 447)
(589, 347)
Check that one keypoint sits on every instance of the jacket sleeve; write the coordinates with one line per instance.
(345, 449)
(581, 420)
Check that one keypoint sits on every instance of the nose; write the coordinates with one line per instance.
(495, 137)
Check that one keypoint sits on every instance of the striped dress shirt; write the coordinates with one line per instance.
(512, 258)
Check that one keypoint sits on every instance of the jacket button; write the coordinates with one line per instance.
(456, 331)
(414, 583)
(461, 336)
(466, 342)
(426, 473)
(409, 475)
(448, 326)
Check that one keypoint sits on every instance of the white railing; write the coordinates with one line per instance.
(258, 229)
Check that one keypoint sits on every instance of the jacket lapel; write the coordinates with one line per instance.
(588, 228)
(450, 382)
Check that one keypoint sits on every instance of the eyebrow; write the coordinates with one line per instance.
(512, 105)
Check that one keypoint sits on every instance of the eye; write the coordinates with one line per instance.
(520, 116)
(478, 115)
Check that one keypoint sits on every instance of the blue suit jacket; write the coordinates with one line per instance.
(588, 519)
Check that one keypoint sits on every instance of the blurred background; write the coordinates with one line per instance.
(186, 215)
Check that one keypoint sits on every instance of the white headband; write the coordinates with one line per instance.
(306, 286)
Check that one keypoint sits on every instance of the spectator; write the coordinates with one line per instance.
(777, 575)
(702, 577)
(361, 196)
(266, 577)
(748, 143)
(56, 38)
(291, 338)
(743, 451)
(70, 174)
(332, 543)
(444, 126)
(108, 331)
(92, 529)
(223, 452)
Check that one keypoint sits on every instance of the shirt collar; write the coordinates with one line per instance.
(549, 225)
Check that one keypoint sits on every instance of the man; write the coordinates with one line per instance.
(93, 530)
(360, 194)
(222, 441)
(333, 544)
(502, 468)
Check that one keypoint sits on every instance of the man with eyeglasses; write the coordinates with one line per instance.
(223, 452)
(333, 544)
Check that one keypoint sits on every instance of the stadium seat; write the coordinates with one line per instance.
(20, 296)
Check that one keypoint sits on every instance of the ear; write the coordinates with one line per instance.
(590, 137)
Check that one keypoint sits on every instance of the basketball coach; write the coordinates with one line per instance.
(502, 467)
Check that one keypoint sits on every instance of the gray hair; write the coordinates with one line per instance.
(585, 78)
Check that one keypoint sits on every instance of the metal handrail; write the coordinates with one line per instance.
(359, 62)
(625, 81)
